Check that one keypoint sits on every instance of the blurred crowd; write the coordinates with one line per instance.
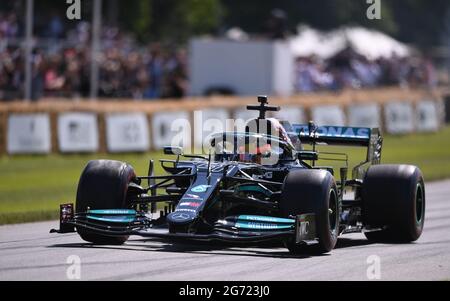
(349, 69)
(61, 64)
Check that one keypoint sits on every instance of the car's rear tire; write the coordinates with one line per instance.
(312, 191)
(394, 200)
(103, 185)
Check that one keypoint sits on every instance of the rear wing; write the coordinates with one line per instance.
(345, 136)
(333, 135)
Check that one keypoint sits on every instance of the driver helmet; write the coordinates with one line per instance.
(252, 153)
(278, 130)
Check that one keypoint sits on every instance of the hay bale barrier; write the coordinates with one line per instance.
(309, 103)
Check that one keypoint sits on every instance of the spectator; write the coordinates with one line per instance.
(61, 68)
(155, 71)
(349, 69)
(55, 27)
(276, 25)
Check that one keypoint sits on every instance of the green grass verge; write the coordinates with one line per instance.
(430, 152)
(32, 187)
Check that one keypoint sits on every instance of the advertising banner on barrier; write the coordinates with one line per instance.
(28, 134)
(427, 116)
(207, 122)
(399, 117)
(127, 132)
(328, 115)
(244, 115)
(171, 128)
(77, 132)
(291, 114)
(364, 115)
(241, 117)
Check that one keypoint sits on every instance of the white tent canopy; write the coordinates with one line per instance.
(370, 43)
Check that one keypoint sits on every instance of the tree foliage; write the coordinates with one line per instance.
(421, 22)
(170, 20)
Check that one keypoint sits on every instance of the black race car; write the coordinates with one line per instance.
(255, 185)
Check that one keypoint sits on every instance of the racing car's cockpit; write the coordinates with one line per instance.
(250, 148)
(265, 141)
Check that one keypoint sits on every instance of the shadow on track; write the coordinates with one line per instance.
(267, 249)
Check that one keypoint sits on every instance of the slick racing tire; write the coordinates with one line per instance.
(103, 185)
(312, 191)
(394, 200)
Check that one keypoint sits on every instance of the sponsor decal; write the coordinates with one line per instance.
(112, 218)
(191, 199)
(335, 131)
(305, 228)
(112, 211)
(261, 226)
(185, 210)
(180, 216)
(200, 188)
(269, 219)
(266, 175)
(28, 133)
(127, 132)
(78, 132)
(193, 196)
(399, 117)
(190, 204)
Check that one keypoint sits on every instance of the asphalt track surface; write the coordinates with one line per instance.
(29, 252)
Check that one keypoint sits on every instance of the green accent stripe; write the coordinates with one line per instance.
(252, 188)
(267, 219)
(261, 226)
(112, 218)
(112, 212)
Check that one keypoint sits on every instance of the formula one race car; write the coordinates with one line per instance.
(255, 185)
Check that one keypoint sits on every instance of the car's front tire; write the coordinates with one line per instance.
(103, 185)
(312, 191)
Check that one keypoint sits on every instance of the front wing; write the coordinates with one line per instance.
(242, 229)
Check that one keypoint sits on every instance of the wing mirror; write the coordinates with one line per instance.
(173, 150)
